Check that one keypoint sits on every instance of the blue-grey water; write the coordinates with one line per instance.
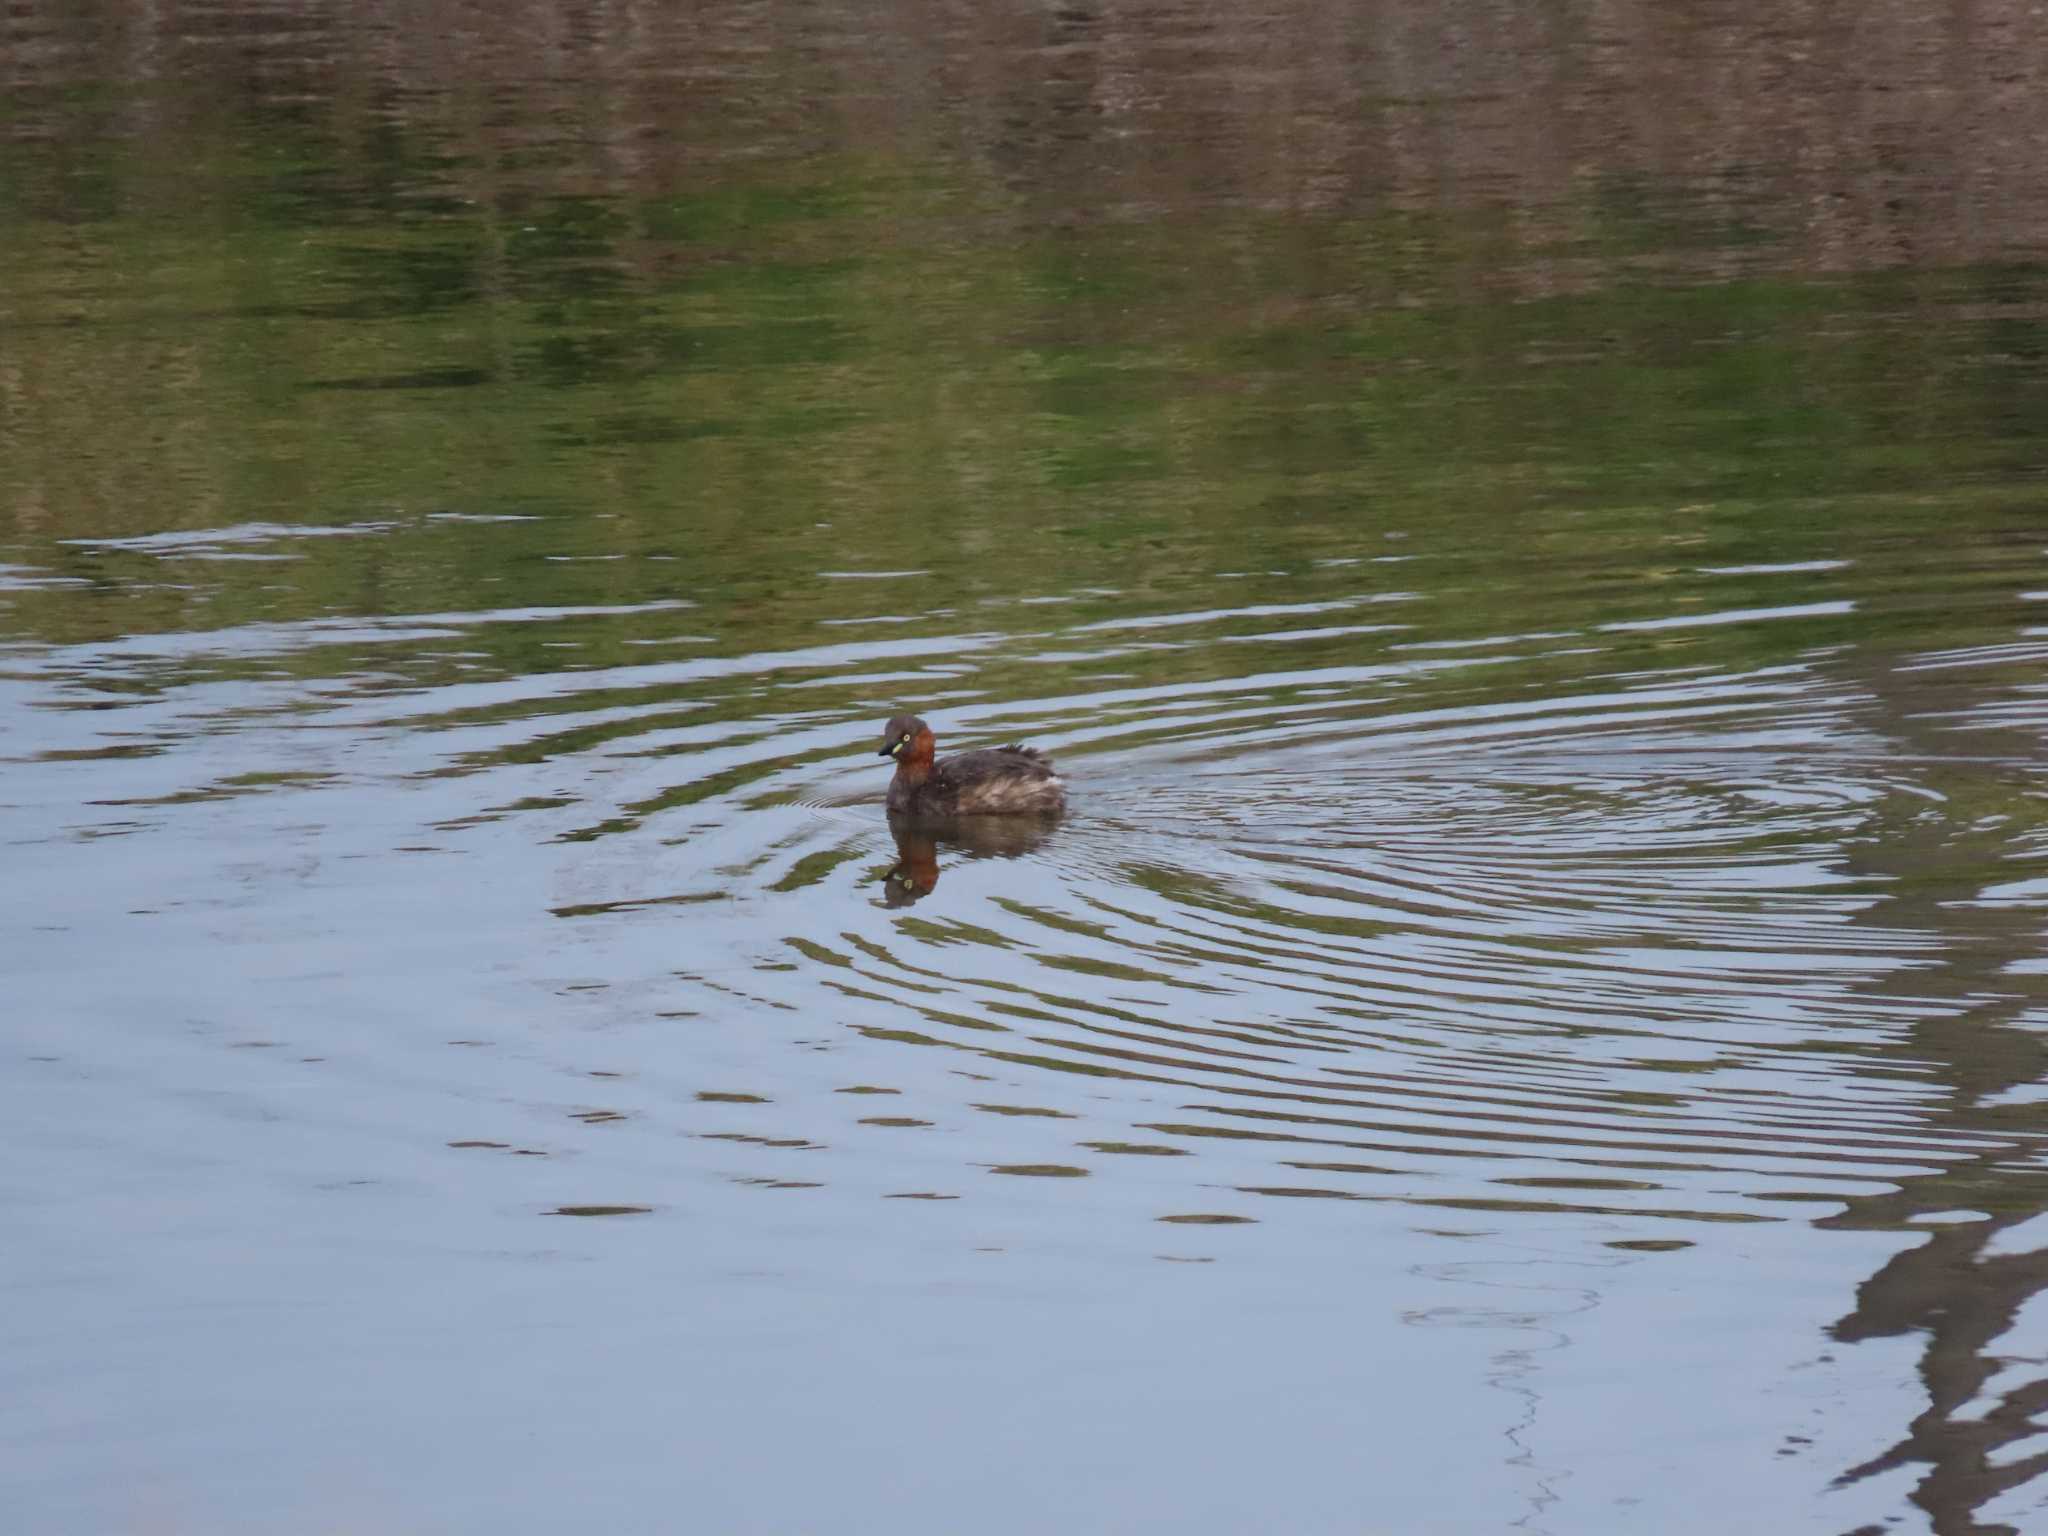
(1525, 534)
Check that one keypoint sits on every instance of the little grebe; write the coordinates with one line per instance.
(996, 781)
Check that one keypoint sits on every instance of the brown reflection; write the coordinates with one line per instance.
(1955, 1293)
(1858, 136)
(915, 874)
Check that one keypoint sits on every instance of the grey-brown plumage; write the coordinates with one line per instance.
(996, 781)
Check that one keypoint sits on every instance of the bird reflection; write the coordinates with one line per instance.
(915, 874)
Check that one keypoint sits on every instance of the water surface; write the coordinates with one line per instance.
(1527, 541)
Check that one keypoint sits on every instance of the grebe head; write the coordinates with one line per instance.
(905, 736)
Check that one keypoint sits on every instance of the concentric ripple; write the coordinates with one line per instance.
(1521, 923)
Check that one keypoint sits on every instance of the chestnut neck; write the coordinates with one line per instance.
(914, 764)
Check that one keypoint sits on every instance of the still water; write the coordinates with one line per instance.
(1524, 530)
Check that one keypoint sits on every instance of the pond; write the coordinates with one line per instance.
(1524, 532)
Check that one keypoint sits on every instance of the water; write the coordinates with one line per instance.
(1527, 541)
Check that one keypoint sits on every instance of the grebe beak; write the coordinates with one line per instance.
(888, 750)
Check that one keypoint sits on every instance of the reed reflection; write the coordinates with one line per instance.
(1957, 1289)
(915, 874)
